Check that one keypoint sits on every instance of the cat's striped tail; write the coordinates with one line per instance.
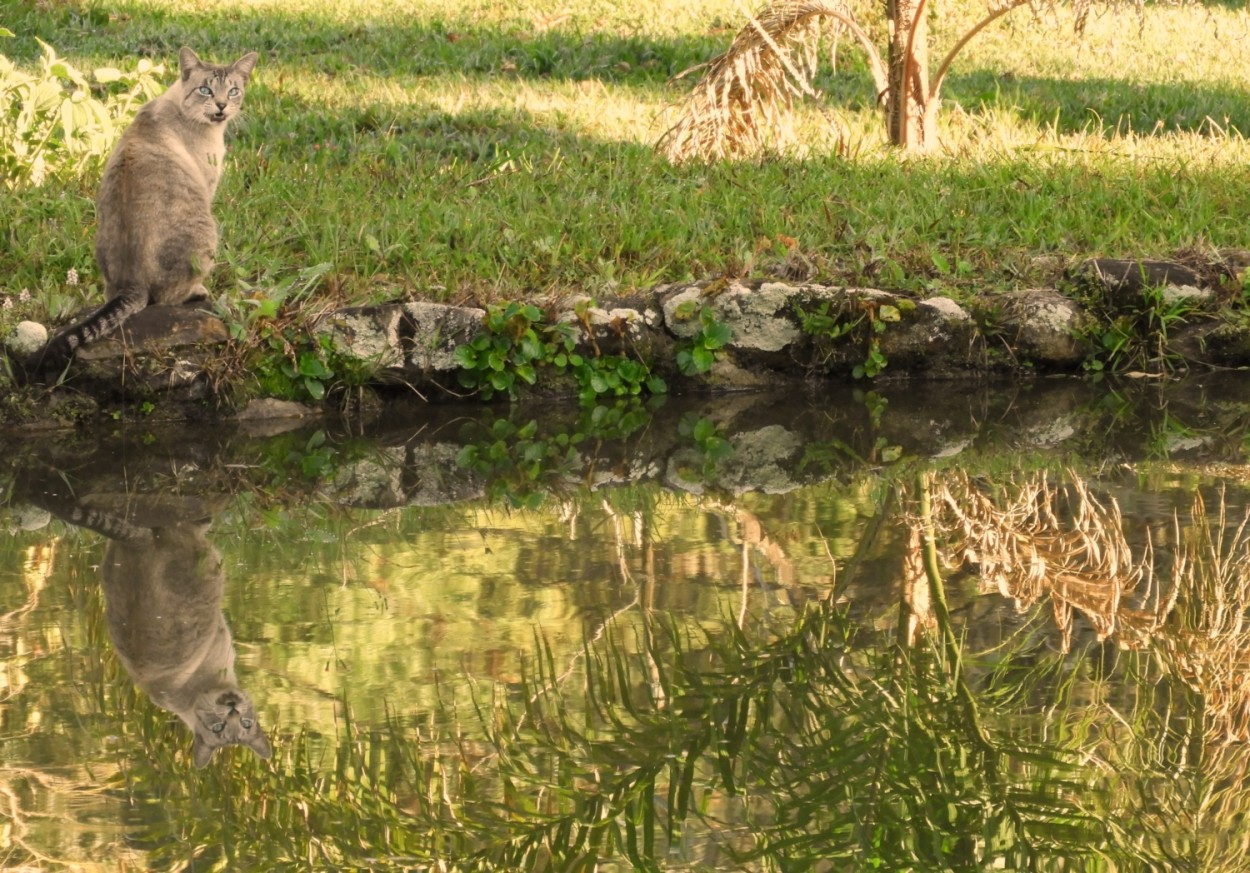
(54, 357)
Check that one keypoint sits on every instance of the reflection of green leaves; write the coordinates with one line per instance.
(712, 446)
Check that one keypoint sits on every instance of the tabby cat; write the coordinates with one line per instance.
(163, 583)
(156, 237)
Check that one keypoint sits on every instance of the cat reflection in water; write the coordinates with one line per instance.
(162, 593)
(163, 583)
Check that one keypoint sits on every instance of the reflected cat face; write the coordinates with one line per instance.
(213, 94)
(226, 717)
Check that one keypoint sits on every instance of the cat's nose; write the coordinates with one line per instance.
(221, 107)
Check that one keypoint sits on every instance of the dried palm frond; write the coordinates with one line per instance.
(744, 99)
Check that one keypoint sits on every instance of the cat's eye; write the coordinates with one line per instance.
(205, 90)
(218, 727)
(247, 723)
(234, 92)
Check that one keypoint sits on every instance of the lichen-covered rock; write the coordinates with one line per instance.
(937, 335)
(27, 338)
(759, 319)
(1044, 328)
(417, 337)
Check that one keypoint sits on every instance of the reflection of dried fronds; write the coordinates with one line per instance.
(1207, 639)
(1035, 538)
(747, 93)
(1039, 538)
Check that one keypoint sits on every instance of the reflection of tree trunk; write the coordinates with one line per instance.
(910, 120)
(751, 531)
(916, 606)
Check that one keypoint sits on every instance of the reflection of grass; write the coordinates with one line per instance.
(684, 753)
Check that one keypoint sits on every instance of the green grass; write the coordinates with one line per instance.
(483, 151)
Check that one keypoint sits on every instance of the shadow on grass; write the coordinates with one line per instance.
(301, 42)
(1103, 106)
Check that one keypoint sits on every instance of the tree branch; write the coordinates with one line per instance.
(964, 40)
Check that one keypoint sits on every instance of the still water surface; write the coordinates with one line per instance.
(914, 629)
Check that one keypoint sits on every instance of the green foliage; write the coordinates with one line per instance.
(1140, 338)
(709, 444)
(517, 342)
(509, 350)
(698, 353)
(284, 357)
(59, 120)
(615, 376)
(830, 321)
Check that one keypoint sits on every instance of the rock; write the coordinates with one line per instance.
(156, 330)
(1126, 281)
(28, 337)
(412, 338)
(937, 336)
(1044, 328)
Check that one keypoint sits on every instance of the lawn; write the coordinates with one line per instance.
(477, 151)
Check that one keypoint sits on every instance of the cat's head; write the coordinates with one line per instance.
(226, 717)
(213, 94)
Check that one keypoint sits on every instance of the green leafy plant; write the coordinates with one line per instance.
(60, 119)
(699, 352)
(830, 321)
(517, 341)
(280, 352)
(508, 350)
(614, 376)
(1140, 338)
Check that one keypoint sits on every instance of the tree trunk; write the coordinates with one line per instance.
(910, 120)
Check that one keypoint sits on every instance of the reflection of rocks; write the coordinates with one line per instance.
(762, 461)
(421, 475)
(780, 440)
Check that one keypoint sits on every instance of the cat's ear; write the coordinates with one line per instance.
(244, 65)
(259, 743)
(201, 752)
(188, 61)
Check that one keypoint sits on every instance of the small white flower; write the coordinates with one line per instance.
(24, 295)
(8, 303)
(71, 278)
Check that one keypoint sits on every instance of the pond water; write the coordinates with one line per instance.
(918, 628)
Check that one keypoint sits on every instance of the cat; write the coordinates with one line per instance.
(163, 583)
(156, 237)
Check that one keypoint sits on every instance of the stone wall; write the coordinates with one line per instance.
(184, 361)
